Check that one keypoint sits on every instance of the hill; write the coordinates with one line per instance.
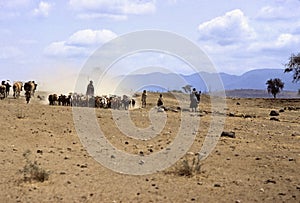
(254, 79)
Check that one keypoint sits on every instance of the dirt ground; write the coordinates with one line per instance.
(261, 164)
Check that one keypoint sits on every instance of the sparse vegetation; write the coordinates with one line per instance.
(32, 171)
(294, 66)
(274, 86)
(189, 167)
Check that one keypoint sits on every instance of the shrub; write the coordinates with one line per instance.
(189, 169)
(32, 171)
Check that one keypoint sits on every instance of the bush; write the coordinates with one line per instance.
(32, 171)
(187, 169)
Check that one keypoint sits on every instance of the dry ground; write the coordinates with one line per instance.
(260, 165)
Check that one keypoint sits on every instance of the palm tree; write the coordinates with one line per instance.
(274, 86)
(294, 65)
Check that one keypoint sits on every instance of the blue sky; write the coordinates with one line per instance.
(49, 41)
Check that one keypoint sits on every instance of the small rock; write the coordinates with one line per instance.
(217, 185)
(274, 119)
(190, 153)
(231, 115)
(112, 156)
(261, 190)
(126, 142)
(291, 159)
(83, 166)
(257, 158)
(274, 113)
(247, 116)
(270, 181)
(291, 108)
(238, 103)
(281, 110)
(62, 173)
(39, 151)
(228, 134)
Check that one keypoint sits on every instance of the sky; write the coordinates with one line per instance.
(50, 41)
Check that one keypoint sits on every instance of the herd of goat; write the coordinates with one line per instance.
(73, 99)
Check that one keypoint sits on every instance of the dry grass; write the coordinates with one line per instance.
(32, 171)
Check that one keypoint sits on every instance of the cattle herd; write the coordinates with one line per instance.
(18, 86)
(80, 100)
(73, 99)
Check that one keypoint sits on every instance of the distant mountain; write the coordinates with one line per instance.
(204, 81)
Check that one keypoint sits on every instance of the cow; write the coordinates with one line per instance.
(52, 98)
(29, 88)
(8, 86)
(2, 91)
(17, 88)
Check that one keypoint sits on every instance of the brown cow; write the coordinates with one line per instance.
(17, 88)
(52, 98)
(2, 91)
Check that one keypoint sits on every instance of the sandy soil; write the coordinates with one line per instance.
(260, 165)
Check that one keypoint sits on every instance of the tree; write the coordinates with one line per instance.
(294, 66)
(274, 86)
(187, 88)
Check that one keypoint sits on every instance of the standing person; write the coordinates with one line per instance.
(160, 101)
(144, 97)
(193, 99)
(90, 89)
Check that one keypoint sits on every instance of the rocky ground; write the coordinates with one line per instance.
(43, 160)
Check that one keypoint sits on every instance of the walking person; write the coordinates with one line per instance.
(144, 97)
(193, 100)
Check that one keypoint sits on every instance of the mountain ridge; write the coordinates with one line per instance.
(254, 79)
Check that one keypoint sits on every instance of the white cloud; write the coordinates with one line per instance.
(284, 42)
(280, 10)
(102, 15)
(90, 37)
(43, 9)
(81, 43)
(62, 49)
(231, 28)
(110, 8)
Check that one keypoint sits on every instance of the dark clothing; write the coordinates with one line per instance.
(198, 95)
(160, 101)
(90, 90)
